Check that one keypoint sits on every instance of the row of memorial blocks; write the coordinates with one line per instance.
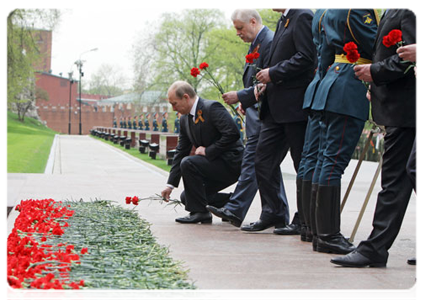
(153, 143)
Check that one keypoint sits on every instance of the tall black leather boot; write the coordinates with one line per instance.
(300, 208)
(328, 217)
(306, 201)
(313, 225)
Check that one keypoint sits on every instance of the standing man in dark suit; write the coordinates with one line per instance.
(208, 127)
(290, 68)
(250, 29)
(393, 96)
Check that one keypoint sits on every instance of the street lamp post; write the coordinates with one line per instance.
(79, 64)
(70, 98)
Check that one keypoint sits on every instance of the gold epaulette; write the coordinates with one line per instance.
(342, 58)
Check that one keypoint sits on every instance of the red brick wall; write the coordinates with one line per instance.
(43, 38)
(58, 89)
(57, 118)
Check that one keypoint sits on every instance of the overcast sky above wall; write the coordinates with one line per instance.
(112, 31)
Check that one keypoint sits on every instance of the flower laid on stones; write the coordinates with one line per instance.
(125, 254)
(135, 200)
(204, 67)
(394, 37)
(33, 263)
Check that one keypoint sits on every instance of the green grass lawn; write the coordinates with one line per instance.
(28, 145)
(160, 163)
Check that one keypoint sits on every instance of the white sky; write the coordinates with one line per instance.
(112, 31)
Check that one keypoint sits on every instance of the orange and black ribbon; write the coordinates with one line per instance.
(287, 22)
(200, 117)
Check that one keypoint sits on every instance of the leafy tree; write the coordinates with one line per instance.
(269, 18)
(178, 44)
(107, 81)
(23, 55)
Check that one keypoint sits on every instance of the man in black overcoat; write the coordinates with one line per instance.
(290, 68)
(393, 98)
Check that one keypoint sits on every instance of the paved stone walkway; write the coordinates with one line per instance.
(220, 256)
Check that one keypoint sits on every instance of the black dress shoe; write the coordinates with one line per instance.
(411, 261)
(356, 260)
(291, 229)
(196, 217)
(334, 243)
(260, 225)
(225, 214)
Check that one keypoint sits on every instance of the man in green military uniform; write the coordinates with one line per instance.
(164, 122)
(147, 122)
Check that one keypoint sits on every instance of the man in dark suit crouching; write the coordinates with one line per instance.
(208, 127)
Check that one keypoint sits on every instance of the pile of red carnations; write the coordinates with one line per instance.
(33, 262)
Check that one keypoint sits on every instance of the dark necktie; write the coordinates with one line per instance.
(280, 22)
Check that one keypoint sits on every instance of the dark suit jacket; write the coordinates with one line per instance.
(393, 92)
(292, 62)
(218, 134)
(246, 95)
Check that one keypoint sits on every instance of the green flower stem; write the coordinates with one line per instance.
(220, 88)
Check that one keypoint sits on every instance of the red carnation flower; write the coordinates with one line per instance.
(84, 250)
(256, 55)
(203, 65)
(195, 72)
(392, 38)
(128, 200)
(395, 36)
(249, 58)
(352, 53)
(135, 200)
(353, 56)
(386, 41)
(350, 47)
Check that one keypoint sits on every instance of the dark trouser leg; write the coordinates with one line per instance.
(315, 179)
(247, 187)
(342, 135)
(299, 191)
(392, 200)
(203, 179)
(217, 200)
(309, 161)
(313, 223)
(306, 202)
(271, 150)
(411, 166)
